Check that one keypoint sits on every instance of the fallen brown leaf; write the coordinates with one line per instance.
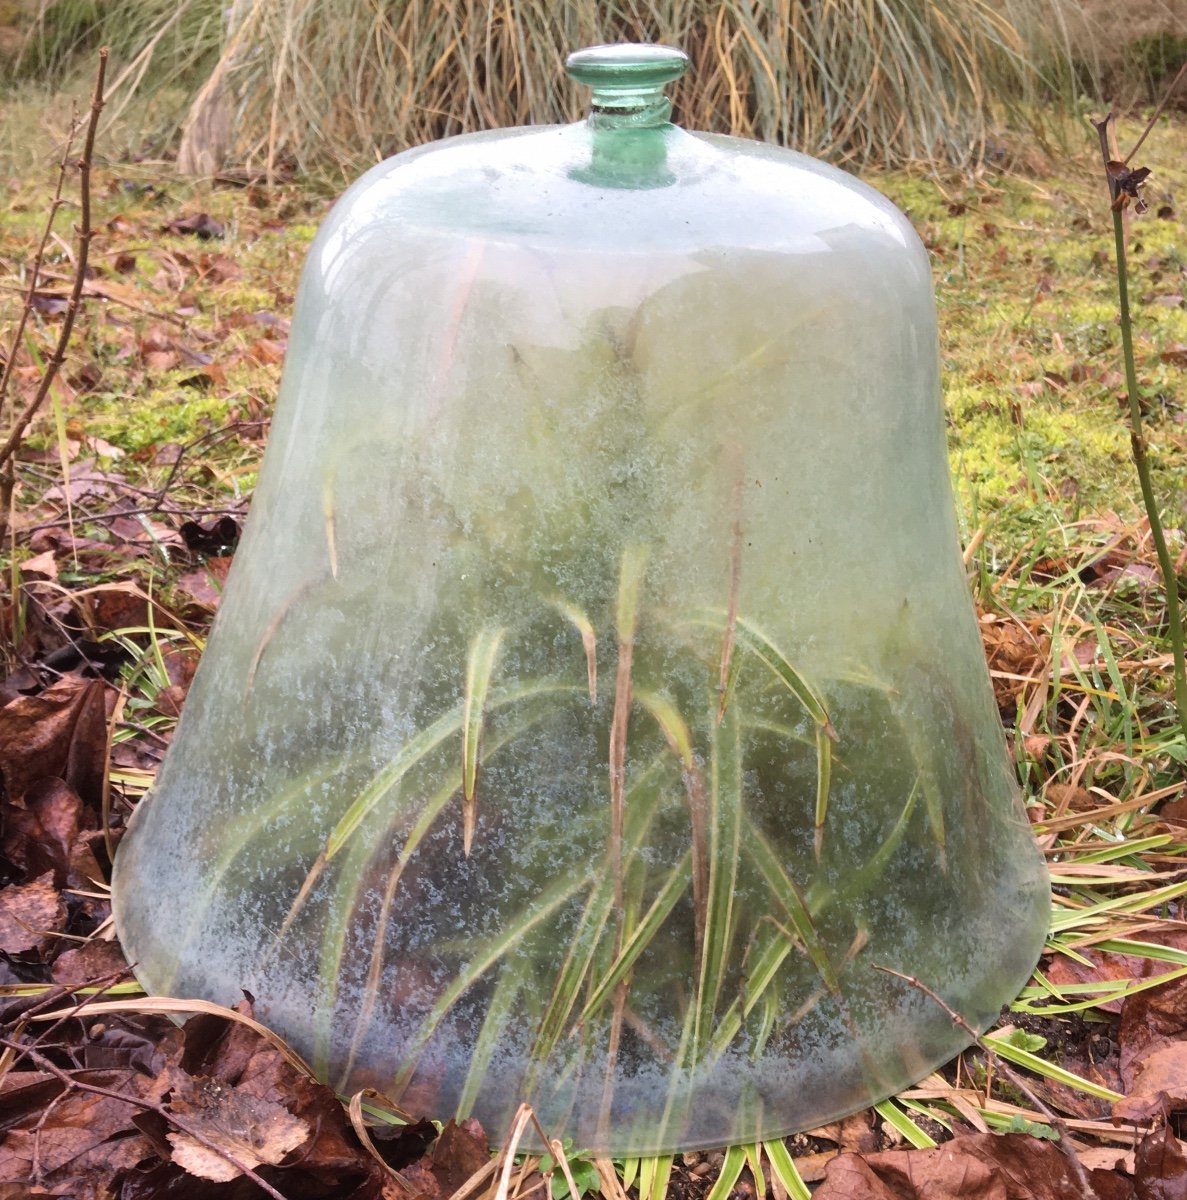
(422, 1182)
(60, 734)
(74, 1143)
(85, 484)
(114, 606)
(86, 1171)
(95, 959)
(1160, 1168)
(45, 832)
(204, 584)
(43, 566)
(28, 913)
(977, 1166)
(201, 225)
(1159, 1086)
(266, 351)
(459, 1152)
(236, 1055)
(217, 268)
(1104, 965)
(1150, 1020)
(243, 1127)
(850, 1133)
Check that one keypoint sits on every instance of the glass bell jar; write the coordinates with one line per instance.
(596, 700)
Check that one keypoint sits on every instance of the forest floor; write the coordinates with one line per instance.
(132, 487)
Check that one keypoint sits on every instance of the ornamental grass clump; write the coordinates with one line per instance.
(332, 86)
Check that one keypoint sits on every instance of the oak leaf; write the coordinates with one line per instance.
(237, 1126)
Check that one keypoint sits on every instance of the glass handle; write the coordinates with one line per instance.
(628, 82)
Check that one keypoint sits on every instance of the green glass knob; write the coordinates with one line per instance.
(629, 78)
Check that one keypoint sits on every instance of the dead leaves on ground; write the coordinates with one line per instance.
(60, 733)
(183, 314)
(151, 1111)
(30, 914)
(1013, 1166)
(124, 1104)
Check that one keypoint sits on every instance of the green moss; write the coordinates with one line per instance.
(1026, 289)
(168, 413)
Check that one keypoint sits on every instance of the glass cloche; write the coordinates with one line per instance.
(596, 698)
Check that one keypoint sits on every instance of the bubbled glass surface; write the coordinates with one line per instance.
(596, 698)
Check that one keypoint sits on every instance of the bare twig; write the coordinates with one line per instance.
(99, 292)
(1137, 437)
(35, 272)
(47, 1064)
(55, 995)
(1005, 1069)
(16, 435)
(1157, 113)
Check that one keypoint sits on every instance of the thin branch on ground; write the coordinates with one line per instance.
(35, 271)
(55, 996)
(1157, 113)
(1056, 1123)
(184, 1126)
(16, 436)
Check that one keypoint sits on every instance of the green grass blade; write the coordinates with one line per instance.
(897, 1119)
(381, 785)
(725, 834)
(589, 643)
(579, 959)
(873, 869)
(1084, 918)
(1123, 849)
(42, 989)
(499, 1012)
(480, 669)
(672, 725)
(1040, 1066)
(336, 922)
(752, 639)
(932, 799)
(760, 974)
(676, 733)
(766, 1025)
(426, 818)
(762, 647)
(754, 1162)
(937, 1113)
(643, 801)
(638, 938)
(784, 1169)
(630, 1171)
(731, 1172)
(788, 896)
(1149, 950)
(823, 771)
(677, 1100)
(654, 1174)
(414, 751)
(630, 584)
(488, 956)
(1104, 991)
